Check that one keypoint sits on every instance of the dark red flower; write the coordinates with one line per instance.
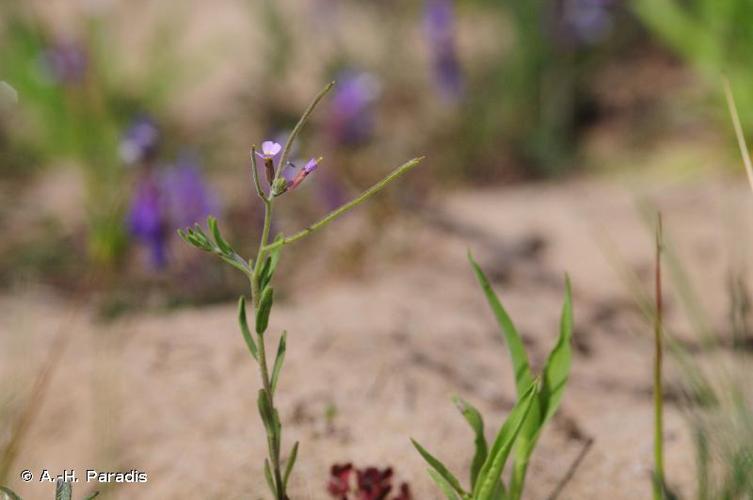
(339, 485)
(374, 484)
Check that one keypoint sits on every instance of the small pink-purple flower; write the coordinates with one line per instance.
(269, 149)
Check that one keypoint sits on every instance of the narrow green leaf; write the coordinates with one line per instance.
(9, 494)
(440, 468)
(266, 412)
(278, 361)
(443, 485)
(244, 328)
(268, 477)
(289, 466)
(518, 355)
(265, 307)
(270, 264)
(92, 496)
(221, 243)
(554, 380)
(557, 368)
(476, 421)
(63, 490)
(495, 463)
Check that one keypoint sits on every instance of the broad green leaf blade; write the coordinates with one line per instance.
(281, 348)
(242, 321)
(490, 473)
(265, 307)
(443, 485)
(518, 355)
(9, 494)
(63, 490)
(439, 468)
(289, 466)
(476, 421)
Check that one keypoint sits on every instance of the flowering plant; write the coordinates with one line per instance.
(261, 269)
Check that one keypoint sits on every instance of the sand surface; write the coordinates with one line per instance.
(374, 360)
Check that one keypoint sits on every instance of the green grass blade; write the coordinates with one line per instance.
(439, 468)
(490, 473)
(446, 488)
(476, 421)
(518, 355)
(243, 322)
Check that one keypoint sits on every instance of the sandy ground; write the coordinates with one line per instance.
(174, 394)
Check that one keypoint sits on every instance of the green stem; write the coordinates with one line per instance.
(274, 451)
(658, 390)
(398, 172)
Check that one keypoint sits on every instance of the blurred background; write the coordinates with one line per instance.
(552, 131)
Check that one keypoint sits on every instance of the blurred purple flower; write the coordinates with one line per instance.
(65, 62)
(160, 204)
(351, 121)
(147, 219)
(586, 21)
(187, 197)
(140, 141)
(439, 23)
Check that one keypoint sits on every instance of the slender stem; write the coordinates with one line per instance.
(658, 390)
(398, 172)
(274, 452)
(298, 126)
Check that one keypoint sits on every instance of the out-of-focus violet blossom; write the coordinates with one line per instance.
(65, 63)
(147, 220)
(439, 24)
(140, 141)
(586, 21)
(162, 203)
(188, 199)
(351, 119)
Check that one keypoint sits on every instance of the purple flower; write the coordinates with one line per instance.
(147, 221)
(584, 21)
(310, 166)
(188, 200)
(352, 116)
(439, 23)
(178, 198)
(140, 141)
(65, 63)
(269, 149)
